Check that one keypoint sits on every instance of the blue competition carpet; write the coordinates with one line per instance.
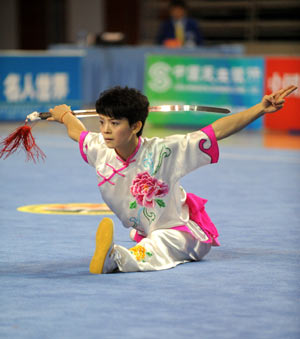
(247, 288)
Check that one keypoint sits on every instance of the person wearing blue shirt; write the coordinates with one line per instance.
(179, 27)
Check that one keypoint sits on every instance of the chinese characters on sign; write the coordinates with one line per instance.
(235, 83)
(185, 74)
(278, 80)
(217, 75)
(37, 82)
(216, 79)
(43, 87)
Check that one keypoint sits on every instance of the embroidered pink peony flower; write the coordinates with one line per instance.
(147, 189)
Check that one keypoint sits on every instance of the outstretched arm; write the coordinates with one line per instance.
(229, 125)
(62, 114)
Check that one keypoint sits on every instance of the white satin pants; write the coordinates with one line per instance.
(162, 249)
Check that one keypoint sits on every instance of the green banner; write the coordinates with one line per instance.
(233, 83)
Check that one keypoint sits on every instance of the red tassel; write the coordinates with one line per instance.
(21, 137)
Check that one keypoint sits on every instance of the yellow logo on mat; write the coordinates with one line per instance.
(72, 208)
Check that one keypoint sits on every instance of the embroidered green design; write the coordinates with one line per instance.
(160, 203)
(132, 205)
(164, 153)
(150, 216)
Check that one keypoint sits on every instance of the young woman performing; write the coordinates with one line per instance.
(139, 180)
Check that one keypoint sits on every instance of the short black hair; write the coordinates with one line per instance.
(124, 102)
(178, 3)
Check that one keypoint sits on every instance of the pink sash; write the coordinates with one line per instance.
(199, 216)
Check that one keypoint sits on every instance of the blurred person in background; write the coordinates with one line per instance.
(179, 29)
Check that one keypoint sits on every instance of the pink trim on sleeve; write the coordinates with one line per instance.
(213, 150)
(81, 141)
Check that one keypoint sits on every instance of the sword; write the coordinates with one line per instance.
(87, 113)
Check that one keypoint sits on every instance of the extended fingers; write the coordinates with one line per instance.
(289, 90)
(285, 91)
(275, 101)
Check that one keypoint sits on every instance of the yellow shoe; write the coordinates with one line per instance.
(104, 247)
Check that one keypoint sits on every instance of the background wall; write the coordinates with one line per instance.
(34, 24)
(227, 21)
(270, 26)
(85, 16)
(8, 24)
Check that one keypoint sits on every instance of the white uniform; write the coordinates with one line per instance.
(144, 192)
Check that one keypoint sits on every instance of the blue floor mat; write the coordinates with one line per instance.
(247, 288)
